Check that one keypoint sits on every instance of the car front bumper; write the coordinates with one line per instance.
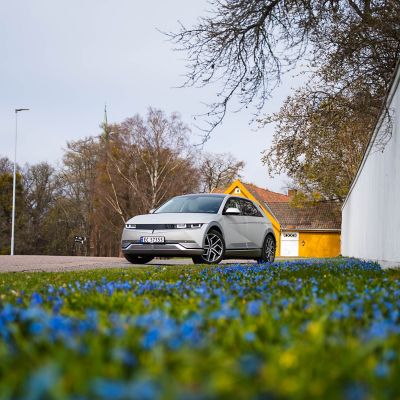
(167, 249)
(178, 243)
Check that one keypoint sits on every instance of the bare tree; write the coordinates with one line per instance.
(245, 46)
(219, 171)
(319, 142)
(349, 49)
(78, 177)
(321, 131)
(154, 159)
(6, 166)
(39, 196)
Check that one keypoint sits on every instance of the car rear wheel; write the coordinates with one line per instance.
(214, 249)
(268, 250)
(138, 259)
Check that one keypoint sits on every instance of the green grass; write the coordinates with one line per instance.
(298, 329)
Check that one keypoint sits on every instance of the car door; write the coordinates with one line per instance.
(255, 224)
(235, 227)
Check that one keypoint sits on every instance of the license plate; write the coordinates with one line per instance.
(152, 239)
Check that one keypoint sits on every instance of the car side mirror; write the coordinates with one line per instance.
(232, 211)
(152, 211)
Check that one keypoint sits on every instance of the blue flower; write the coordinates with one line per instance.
(150, 338)
(254, 307)
(381, 370)
(36, 299)
(356, 391)
(389, 355)
(124, 356)
(250, 364)
(109, 389)
(144, 389)
(41, 381)
(36, 328)
(249, 336)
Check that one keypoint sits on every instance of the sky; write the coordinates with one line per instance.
(66, 59)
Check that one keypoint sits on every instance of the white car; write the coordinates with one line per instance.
(206, 227)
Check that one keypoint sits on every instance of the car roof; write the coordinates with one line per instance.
(205, 194)
(223, 195)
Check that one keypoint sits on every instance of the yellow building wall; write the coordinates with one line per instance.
(319, 244)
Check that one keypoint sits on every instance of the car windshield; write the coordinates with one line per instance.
(192, 204)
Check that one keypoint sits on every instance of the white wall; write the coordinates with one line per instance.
(371, 212)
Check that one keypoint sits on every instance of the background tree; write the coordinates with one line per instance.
(219, 171)
(77, 179)
(350, 48)
(6, 190)
(248, 44)
(39, 197)
(154, 159)
(141, 163)
(319, 142)
(129, 169)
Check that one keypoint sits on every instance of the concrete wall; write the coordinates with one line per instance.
(371, 212)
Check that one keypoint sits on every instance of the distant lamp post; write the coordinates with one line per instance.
(17, 110)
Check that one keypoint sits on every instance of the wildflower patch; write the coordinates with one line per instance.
(311, 329)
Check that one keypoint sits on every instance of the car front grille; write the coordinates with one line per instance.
(154, 227)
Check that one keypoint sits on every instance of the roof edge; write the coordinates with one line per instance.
(271, 191)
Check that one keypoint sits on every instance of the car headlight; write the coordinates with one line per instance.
(130, 226)
(188, 226)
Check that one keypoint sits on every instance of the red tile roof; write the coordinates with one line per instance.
(265, 195)
(321, 216)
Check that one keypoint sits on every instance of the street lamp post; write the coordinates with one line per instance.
(17, 110)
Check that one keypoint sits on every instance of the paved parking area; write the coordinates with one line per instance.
(70, 263)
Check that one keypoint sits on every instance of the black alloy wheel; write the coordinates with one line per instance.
(268, 250)
(214, 249)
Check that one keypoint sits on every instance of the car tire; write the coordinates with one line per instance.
(268, 250)
(214, 249)
(133, 259)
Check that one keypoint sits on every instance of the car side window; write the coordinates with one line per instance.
(233, 203)
(249, 209)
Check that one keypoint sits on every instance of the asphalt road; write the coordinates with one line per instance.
(67, 263)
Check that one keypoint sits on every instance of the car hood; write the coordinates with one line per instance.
(173, 218)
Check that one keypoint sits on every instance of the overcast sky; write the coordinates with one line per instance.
(65, 59)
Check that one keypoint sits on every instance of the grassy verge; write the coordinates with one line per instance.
(303, 329)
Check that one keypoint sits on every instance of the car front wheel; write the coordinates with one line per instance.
(214, 249)
(138, 259)
(268, 250)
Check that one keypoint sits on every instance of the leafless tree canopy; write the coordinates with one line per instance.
(219, 170)
(319, 142)
(321, 131)
(349, 49)
(153, 158)
(246, 45)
